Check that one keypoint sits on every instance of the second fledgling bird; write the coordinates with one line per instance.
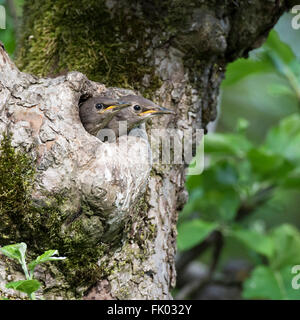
(139, 111)
(102, 112)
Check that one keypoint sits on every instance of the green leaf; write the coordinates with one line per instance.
(286, 239)
(255, 241)
(15, 251)
(242, 68)
(295, 68)
(193, 232)
(227, 144)
(218, 198)
(278, 90)
(276, 54)
(284, 139)
(223, 175)
(7, 36)
(292, 181)
(269, 164)
(214, 205)
(265, 283)
(27, 286)
(282, 50)
(47, 256)
(220, 205)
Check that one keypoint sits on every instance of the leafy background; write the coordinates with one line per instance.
(13, 17)
(239, 232)
(238, 235)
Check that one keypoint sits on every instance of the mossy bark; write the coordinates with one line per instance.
(174, 52)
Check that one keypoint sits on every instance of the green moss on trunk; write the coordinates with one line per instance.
(40, 224)
(16, 180)
(60, 36)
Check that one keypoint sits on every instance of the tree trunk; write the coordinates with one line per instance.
(111, 214)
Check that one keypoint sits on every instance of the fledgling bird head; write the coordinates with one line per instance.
(97, 112)
(139, 111)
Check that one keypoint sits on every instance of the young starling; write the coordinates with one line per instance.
(97, 112)
(102, 112)
(140, 110)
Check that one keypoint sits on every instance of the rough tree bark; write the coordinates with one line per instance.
(174, 52)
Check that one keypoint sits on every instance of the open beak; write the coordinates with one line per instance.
(116, 107)
(157, 111)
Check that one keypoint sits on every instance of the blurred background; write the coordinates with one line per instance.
(239, 232)
(238, 235)
(13, 18)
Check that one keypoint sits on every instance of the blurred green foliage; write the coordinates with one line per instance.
(8, 36)
(253, 87)
(245, 172)
(241, 177)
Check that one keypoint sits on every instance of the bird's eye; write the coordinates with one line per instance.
(137, 108)
(99, 106)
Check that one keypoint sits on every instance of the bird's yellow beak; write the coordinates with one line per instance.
(147, 112)
(110, 108)
(160, 110)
